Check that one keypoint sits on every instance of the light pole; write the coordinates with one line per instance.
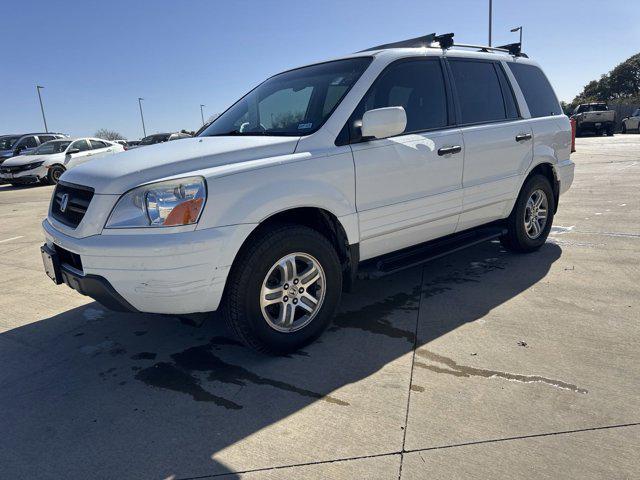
(490, 18)
(144, 130)
(202, 114)
(38, 88)
(518, 29)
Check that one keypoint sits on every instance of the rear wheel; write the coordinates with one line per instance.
(610, 131)
(283, 289)
(530, 221)
(53, 176)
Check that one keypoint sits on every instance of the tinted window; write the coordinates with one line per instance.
(45, 138)
(417, 86)
(292, 103)
(52, 147)
(96, 144)
(536, 89)
(81, 145)
(478, 90)
(28, 142)
(7, 142)
(507, 94)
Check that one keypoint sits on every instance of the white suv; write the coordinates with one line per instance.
(320, 171)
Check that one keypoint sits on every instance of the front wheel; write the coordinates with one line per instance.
(283, 289)
(530, 221)
(54, 174)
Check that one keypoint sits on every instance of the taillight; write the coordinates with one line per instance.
(125, 148)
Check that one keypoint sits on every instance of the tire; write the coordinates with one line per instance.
(518, 237)
(54, 174)
(610, 132)
(624, 128)
(256, 269)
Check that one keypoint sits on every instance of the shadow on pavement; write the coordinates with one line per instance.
(95, 394)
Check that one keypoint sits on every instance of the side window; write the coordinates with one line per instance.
(81, 145)
(478, 91)
(417, 86)
(96, 144)
(45, 138)
(28, 142)
(507, 94)
(537, 91)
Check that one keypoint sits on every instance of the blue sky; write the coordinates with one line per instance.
(96, 58)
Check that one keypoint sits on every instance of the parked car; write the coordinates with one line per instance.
(629, 124)
(594, 117)
(19, 144)
(50, 160)
(122, 142)
(160, 138)
(319, 173)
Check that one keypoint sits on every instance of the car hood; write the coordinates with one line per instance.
(123, 171)
(25, 159)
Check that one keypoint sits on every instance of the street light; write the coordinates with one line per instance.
(202, 114)
(518, 29)
(490, 15)
(144, 130)
(38, 88)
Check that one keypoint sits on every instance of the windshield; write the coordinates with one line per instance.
(151, 139)
(55, 146)
(292, 103)
(7, 142)
(598, 107)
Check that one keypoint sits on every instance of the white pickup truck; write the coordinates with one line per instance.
(594, 117)
(376, 161)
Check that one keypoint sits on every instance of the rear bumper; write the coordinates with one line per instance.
(565, 171)
(175, 273)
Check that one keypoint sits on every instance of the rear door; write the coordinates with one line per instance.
(498, 143)
(408, 189)
(99, 148)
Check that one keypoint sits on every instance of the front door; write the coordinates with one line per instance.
(408, 187)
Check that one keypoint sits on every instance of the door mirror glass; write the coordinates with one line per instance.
(384, 122)
(71, 151)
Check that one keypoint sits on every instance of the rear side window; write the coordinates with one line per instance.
(417, 86)
(536, 89)
(28, 142)
(478, 90)
(96, 144)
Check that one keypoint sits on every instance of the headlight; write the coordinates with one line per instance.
(34, 165)
(162, 204)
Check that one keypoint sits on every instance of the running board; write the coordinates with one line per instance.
(426, 252)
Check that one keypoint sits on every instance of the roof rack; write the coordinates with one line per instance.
(445, 41)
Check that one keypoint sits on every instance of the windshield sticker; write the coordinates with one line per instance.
(304, 126)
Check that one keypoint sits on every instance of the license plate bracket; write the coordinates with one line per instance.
(51, 263)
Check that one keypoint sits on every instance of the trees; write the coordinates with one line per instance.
(621, 83)
(107, 134)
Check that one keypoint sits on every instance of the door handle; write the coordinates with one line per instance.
(449, 150)
(523, 137)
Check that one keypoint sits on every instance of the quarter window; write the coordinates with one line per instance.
(28, 142)
(417, 86)
(537, 91)
(478, 90)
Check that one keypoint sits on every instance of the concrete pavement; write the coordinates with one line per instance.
(482, 364)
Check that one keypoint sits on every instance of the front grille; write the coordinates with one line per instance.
(78, 200)
(68, 258)
(16, 168)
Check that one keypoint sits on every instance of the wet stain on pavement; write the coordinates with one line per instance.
(451, 367)
(144, 356)
(371, 318)
(167, 376)
(179, 375)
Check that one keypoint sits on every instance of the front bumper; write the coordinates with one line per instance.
(170, 273)
(25, 177)
(565, 172)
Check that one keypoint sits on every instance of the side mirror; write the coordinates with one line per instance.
(384, 122)
(71, 151)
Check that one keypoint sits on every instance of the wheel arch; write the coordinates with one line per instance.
(324, 222)
(547, 170)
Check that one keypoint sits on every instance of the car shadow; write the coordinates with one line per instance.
(90, 393)
(8, 187)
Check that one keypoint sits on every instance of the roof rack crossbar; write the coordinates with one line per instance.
(445, 41)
